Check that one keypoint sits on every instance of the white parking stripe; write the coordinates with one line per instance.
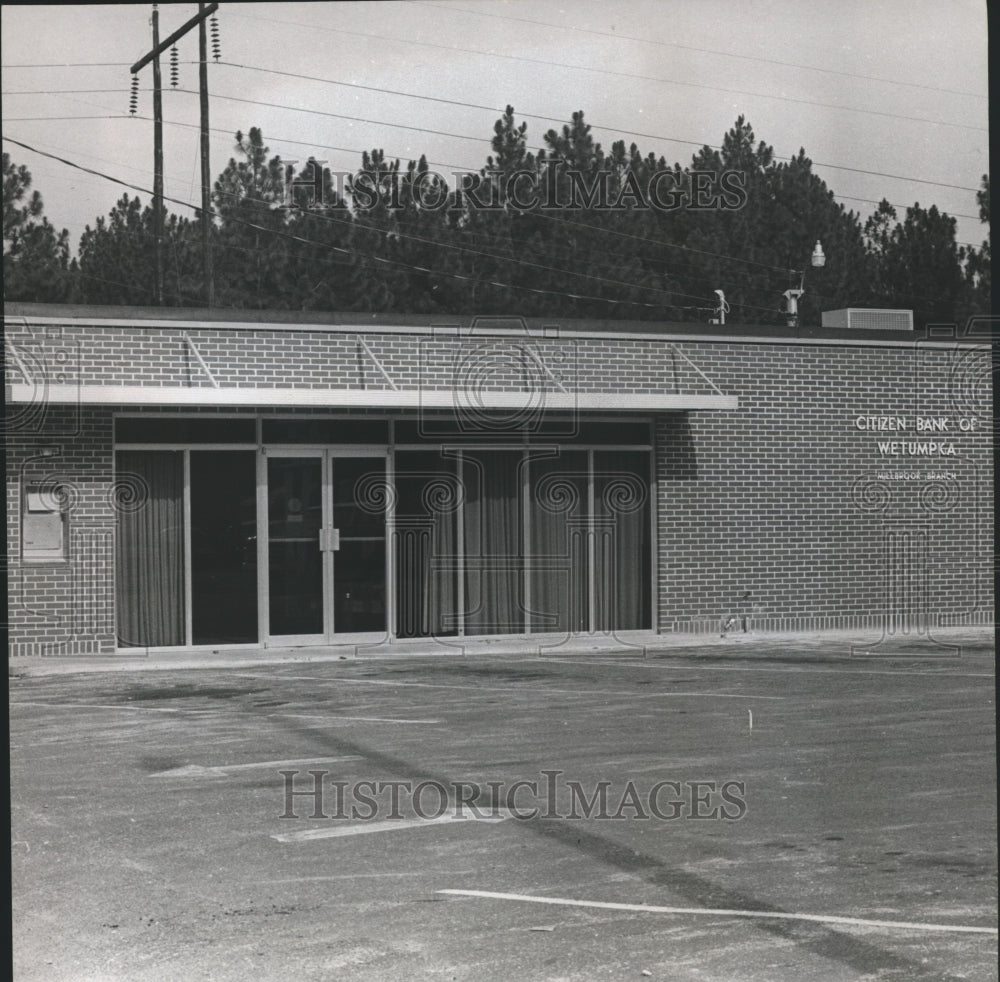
(357, 719)
(486, 689)
(123, 708)
(803, 668)
(196, 770)
(390, 825)
(716, 912)
(219, 712)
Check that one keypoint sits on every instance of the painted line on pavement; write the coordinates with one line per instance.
(483, 689)
(804, 669)
(681, 695)
(486, 689)
(197, 770)
(715, 912)
(360, 719)
(216, 712)
(345, 876)
(131, 709)
(389, 825)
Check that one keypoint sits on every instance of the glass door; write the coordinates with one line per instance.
(297, 503)
(326, 545)
(359, 496)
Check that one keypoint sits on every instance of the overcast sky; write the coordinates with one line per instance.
(895, 87)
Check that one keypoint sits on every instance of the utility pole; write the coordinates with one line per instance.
(206, 176)
(206, 190)
(157, 159)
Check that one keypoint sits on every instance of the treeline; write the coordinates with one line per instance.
(573, 231)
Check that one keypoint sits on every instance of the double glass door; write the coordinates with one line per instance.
(326, 545)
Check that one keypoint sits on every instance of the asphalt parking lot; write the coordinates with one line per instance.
(772, 814)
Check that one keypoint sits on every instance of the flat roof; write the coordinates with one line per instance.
(153, 317)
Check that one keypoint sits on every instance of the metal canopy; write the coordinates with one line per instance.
(327, 398)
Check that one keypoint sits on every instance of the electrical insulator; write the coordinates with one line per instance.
(216, 43)
(133, 99)
(174, 70)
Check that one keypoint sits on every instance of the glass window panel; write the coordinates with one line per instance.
(149, 548)
(425, 529)
(295, 563)
(223, 546)
(557, 556)
(623, 540)
(360, 494)
(494, 561)
(613, 432)
(166, 429)
(319, 432)
(359, 586)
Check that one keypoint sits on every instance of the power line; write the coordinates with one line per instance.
(355, 119)
(620, 37)
(438, 272)
(616, 36)
(393, 262)
(53, 119)
(72, 64)
(607, 71)
(568, 221)
(61, 91)
(647, 240)
(457, 168)
(760, 291)
(648, 136)
(460, 136)
(551, 218)
(551, 119)
(376, 88)
(872, 201)
(709, 51)
(554, 218)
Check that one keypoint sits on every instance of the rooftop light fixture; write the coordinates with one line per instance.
(817, 261)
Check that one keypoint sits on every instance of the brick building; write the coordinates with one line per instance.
(204, 478)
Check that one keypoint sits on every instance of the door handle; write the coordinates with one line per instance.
(329, 540)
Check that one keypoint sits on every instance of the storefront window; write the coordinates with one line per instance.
(150, 548)
(510, 538)
(223, 546)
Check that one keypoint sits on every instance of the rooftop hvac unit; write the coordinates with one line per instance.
(870, 319)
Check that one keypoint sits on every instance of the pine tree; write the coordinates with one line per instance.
(36, 261)
(117, 263)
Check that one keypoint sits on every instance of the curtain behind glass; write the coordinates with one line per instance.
(494, 564)
(622, 540)
(427, 501)
(557, 555)
(149, 548)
